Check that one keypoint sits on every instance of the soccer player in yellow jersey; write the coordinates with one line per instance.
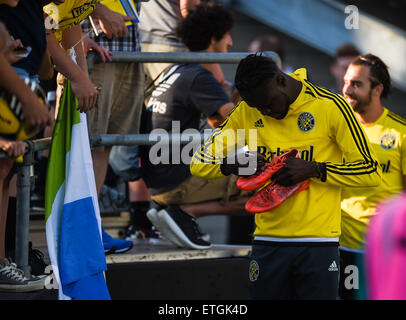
(366, 83)
(295, 246)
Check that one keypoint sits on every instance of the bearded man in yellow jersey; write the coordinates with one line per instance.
(295, 246)
(366, 83)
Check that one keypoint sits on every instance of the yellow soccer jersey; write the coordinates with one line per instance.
(388, 138)
(69, 14)
(323, 126)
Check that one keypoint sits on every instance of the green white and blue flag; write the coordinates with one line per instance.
(73, 224)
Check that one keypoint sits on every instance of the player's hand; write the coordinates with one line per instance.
(85, 92)
(243, 164)
(296, 170)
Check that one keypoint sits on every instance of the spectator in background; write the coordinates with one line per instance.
(12, 278)
(69, 33)
(63, 39)
(183, 92)
(366, 83)
(158, 21)
(269, 42)
(342, 58)
(25, 15)
(120, 99)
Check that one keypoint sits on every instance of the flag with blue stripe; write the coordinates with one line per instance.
(73, 224)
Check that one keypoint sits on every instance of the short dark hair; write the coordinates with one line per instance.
(378, 72)
(253, 72)
(205, 21)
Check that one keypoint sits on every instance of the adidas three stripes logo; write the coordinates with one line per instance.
(259, 123)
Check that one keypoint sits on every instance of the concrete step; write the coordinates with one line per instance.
(164, 272)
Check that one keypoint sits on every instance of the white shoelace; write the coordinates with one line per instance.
(12, 272)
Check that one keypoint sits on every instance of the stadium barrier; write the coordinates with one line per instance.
(25, 174)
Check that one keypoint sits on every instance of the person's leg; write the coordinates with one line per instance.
(140, 226)
(200, 198)
(100, 158)
(215, 207)
(138, 191)
(10, 237)
(346, 286)
(10, 231)
(315, 272)
(270, 272)
(240, 229)
(5, 168)
(105, 76)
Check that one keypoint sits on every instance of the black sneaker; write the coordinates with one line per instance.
(13, 279)
(36, 261)
(183, 227)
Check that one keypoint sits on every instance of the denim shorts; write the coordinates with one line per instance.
(24, 74)
(126, 162)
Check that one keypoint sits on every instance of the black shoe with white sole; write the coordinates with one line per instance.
(183, 227)
(152, 215)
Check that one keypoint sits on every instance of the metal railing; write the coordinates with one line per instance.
(24, 179)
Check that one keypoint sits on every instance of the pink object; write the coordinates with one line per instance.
(385, 252)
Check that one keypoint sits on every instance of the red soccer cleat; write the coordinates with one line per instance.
(258, 179)
(272, 196)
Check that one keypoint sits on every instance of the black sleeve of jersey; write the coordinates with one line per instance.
(207, 95)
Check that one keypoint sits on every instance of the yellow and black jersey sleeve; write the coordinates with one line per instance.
(225, 140)
(361, 167)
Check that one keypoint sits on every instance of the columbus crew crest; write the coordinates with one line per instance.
(305, 121)
(388, 141)
(253, 271)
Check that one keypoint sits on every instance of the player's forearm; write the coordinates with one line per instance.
(355, 174)
(204, 170)
(204, 163)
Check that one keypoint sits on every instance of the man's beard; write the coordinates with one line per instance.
(361, 104)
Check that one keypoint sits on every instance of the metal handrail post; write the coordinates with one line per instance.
(23, 210)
